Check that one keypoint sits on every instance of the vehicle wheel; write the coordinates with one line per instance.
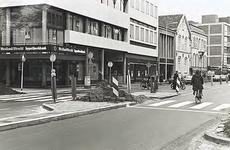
(171, 85)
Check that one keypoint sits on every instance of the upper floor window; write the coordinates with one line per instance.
(147, 7)
(155, 37)
(132, 31)
(146, 35)
(156, 12)
(137, 4)
(143, 5)
(137, 33)
(151, 10)
(142, 34)
(151, 36)
(132, 3)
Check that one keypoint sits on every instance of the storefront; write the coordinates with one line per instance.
(141, 66)
(37, 67)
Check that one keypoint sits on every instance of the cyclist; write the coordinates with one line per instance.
(197, 82)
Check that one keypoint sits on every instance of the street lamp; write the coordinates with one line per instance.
(166, 48)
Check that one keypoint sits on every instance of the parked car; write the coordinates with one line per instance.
(188, 79)
(216, 78)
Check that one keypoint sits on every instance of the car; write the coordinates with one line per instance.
(188, 79)
(216, 78)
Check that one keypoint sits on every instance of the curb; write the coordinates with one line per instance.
(164, 97)
(61, 116)
(209, 135)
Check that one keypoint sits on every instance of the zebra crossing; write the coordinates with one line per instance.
(174, 104)
(40, 98)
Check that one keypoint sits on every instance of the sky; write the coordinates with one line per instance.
(194, 9)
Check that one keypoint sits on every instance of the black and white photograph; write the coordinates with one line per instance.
(114, 75)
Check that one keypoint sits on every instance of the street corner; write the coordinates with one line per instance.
(212, 136)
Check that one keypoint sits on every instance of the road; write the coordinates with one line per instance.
(143, 127)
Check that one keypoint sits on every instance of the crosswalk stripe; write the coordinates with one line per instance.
(31, 99)
(223, 106)
(181, 104)
(202, 105)
(50, 99)
(161, 103)
(19, 97)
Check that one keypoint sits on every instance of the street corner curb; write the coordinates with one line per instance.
(47, 107)
(209, 135)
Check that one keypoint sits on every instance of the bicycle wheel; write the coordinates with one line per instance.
(142, 85)
(183, 86)
(171, 85)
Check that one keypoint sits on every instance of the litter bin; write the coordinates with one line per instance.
(153, 84)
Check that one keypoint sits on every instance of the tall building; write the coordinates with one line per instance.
(198, 49)
(182, 59)
(218, 52)
(84, 36)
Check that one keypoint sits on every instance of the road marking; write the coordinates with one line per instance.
(202, 105)
(181, 110)
(161, 103)
(181, 104)
(19, 97)
(59, 98)
(31, 106)
(223, 106)
(31, 99)
(5, 109)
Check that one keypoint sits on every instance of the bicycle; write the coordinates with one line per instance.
(145, 84)
(198, 96)
(182, 85)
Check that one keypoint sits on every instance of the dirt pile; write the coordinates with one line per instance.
(4, 90)
(104, 93)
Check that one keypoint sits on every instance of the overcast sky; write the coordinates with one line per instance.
(194, 9)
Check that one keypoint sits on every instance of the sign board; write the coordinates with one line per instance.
(110, 64)
(52, 57)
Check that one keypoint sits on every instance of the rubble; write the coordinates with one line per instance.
(4, 90)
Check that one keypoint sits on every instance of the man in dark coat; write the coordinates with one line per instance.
(197, 82)
(175, 76)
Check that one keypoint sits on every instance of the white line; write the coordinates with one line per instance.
(202, 105)
(161, 103)
(32, 106)
(43, 100)
(181, 104)
(31, 99)
(5, 109)
(64, 97)
(223, 106)
(182, 110)
(50, 99)
(19, 97)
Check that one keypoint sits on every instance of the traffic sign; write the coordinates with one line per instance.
(110, 64)
(52, 57)
(23, 58)
(90, 55)
(148, 65)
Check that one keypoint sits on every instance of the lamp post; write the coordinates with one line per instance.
(166, 48)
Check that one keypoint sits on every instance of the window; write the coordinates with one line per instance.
(155, 38)
(151, 10)
(49, 18)
(147, 7)
(77, 24)
(156, 14)
(179, 42)
(94, 30)
(142, 34)
(186, 41)
(185, 61)
(179, 62)
(151, 36)
(137, 4)
(132, 3)
(53, 19)
(146, 35)
(143, 5)
(132, 31)
(137, 33)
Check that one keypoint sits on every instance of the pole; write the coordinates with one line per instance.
(52, 65)
(22, 76)
(110, 75)
(166, 53)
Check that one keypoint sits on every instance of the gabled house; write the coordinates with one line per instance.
(182, 55)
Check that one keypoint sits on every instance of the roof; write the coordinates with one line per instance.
(164, 20)
(196, 29)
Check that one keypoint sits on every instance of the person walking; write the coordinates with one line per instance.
(227, 76)
(161, 78)
(175, 78)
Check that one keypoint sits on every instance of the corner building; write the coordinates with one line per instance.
(75, 30)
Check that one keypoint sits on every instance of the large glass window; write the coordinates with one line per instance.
(147, 7)
(155, 37)
(142, 34)
(151, 10)
(132, 31)
(137, 4)
(151, 36)
(143, 5)
(137, 33)
(156, 12)
(146, 35)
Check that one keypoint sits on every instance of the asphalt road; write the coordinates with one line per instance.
(142, 127)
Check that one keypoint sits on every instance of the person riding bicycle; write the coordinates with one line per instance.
(197, 82)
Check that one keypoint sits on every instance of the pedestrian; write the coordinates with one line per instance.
(175, 78)
(220, 79)
(161, 78)
(227, 76)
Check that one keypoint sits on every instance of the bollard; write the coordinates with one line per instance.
(211, 80)
(73, 87)
(220, 80)
(53, 85)
(153, 84)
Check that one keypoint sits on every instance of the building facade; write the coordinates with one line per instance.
(180, 24)
(86, 37)
(166, 52)
(198, 49)
(218, 47)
